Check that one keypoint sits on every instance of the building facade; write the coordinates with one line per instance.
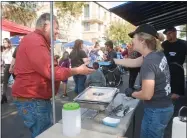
(90, 26)
(95, 21)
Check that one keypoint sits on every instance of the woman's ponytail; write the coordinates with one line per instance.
(158, 42)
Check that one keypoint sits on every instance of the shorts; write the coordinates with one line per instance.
(66, 81)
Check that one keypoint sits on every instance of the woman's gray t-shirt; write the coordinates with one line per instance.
(155, 67)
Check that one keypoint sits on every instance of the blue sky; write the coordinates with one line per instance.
(109, 4)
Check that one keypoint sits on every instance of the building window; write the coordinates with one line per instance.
(98, 11)
(99, 27)
(86, 27)
(110, 16)
(115, 19)
(105, 28)
(86, 10)
(105, 16)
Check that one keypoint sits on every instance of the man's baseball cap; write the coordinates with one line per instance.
(173, 29)
(145, 28)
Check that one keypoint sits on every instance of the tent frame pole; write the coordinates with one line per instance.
(52, 62)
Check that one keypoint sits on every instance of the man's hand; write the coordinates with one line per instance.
(84, 70)
(174, 96)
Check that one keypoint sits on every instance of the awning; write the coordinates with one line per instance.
(15, 28)
(160, 14)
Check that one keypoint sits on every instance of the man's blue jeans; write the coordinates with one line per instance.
(36, 115)
(79, 83)
(155, 121)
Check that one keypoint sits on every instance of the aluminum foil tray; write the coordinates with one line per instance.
(97, 95)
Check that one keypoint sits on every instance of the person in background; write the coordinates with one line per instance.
(133, 72)
(175, 50)
(111, 54)
(125, 52)
(78, 57)
(56, 58)
(7, 59)
(32, 89)
(118, 50)
(97, 78)
(99, 52)
(65, 62)
(11, 69)
(155, 77)
(2, 69)
(94, 54)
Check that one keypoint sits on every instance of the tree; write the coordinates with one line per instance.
(118, 31)
(20, 12)
(72, 8)
(68, 12)
(183, 29)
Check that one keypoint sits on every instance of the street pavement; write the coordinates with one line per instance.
(12, 125)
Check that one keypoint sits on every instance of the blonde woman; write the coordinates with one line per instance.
(7, 59)
(155, 79)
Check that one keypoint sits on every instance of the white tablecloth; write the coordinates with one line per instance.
(56, 132)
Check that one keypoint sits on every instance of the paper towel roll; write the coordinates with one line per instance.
(178, 128)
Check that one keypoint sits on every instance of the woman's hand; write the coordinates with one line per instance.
(11, 69)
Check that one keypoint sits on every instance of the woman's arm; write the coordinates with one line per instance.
(86, 61)
(84, 57)
(132, 63)
(147, 90)
(11, 69)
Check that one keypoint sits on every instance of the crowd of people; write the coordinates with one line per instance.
(31, 66)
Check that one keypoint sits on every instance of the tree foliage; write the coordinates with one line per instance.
(68, 12)
(20, 12)
(72, 8)
(183, 29)
(118, 31)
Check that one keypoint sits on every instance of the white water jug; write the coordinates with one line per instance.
(179, 127)
(71, 119)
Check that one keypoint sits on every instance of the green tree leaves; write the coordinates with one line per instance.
(68, 12)
(118, 31)
(183, 29)
(72, 8)
(20, 12)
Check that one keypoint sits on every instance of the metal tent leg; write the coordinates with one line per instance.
(52, 62)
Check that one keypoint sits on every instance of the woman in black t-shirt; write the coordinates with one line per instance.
(78, 57)
(155, 79)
